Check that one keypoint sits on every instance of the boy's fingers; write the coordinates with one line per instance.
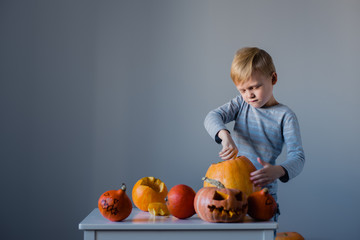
(226, 157)
(257, 177)
(227, 154)
(263, 163)
(231, 156)
(225, 151)
(257, 172)
(261, 183)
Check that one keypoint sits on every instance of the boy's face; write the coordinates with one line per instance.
(258, 90)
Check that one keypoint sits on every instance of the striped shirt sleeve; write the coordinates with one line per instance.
(216, 119)
(295, 159)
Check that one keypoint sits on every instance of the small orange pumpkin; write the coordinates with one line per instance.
(220, 204)
(289, 236)
(234, 173)
(180, 201)
(262, 206)
(115, 205)
(148, 190)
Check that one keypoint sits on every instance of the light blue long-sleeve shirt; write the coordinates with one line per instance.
(261, 132)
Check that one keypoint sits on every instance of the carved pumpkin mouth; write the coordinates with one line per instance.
(221, 196)
(227, 212)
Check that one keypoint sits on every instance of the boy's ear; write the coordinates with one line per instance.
(274, 78)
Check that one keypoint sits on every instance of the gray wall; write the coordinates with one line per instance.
(96, 93)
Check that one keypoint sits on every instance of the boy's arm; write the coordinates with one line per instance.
(216, 119)
(229, 149)
(295, 159)
(215, 125)
(294, 162)
(266, 175)
(285, 177)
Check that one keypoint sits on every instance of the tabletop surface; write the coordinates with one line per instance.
(139, 220)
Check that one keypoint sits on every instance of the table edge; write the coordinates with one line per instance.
(117, 226)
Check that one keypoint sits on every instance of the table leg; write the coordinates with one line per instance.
(89, 235)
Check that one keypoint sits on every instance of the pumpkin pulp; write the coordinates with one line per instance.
(154, 183)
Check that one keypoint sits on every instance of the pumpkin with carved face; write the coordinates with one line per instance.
(220, 204)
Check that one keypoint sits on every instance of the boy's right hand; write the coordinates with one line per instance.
(229, 150)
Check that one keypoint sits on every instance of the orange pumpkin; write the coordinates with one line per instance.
(115, 205)
(234, 173)
(148, 190)
(180, 201)
(262, 206)
(220, 204)
(289, 236)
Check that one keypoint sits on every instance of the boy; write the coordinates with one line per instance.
(262, 125)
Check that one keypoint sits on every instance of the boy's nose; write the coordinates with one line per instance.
(251, 95)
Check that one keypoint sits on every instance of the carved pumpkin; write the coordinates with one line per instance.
(158, 209)
(234, 173)
(289, 236)
(148, 190)
(180, 201)
(115, 205)
(262, 206)
(220, 204)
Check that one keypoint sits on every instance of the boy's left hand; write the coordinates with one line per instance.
(267, 174)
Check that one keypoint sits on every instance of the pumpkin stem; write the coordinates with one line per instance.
(265, 190)
(123, 187)
(214, 182)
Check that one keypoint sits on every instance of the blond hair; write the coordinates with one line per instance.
(248, 60)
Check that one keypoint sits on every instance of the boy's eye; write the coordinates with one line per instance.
(256, 87)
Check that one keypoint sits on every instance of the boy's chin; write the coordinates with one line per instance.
(256, 104)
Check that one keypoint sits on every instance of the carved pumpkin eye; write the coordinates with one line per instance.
(220, 196)
(239, 196)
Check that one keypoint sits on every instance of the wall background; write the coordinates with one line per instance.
(96, 93)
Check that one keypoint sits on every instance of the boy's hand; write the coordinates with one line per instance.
(267, 174)
(229, 149)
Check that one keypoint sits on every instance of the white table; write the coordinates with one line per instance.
(142, 225)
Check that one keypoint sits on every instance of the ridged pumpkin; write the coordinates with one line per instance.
(148, 190)
(234, 173)
(289, 236)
